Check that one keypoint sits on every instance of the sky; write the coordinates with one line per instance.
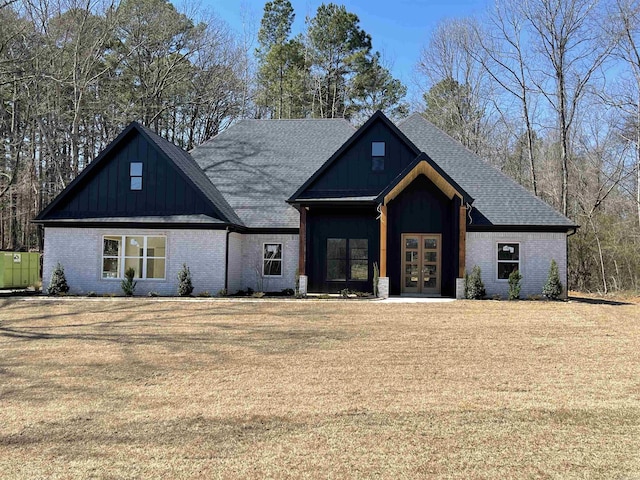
(399, 28)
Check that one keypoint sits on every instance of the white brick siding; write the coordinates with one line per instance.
(537, 249)
(79, 250)
(235, 263)
(252, 245)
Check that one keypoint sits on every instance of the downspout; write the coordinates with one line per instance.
(566, 273)
(226, 263)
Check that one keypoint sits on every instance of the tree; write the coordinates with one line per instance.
(374, 88)
(336, 44)
(570, 49)
(282, 68)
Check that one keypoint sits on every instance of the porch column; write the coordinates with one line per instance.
(383, 280)
(462, 243)
(383, 240)
(302, 253)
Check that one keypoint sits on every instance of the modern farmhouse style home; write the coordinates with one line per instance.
(267, 200)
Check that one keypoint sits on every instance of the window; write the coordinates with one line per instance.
(272, 260)
(377, 156)
(135, 171)
(145, 254)
(508, 259)
(347, 259)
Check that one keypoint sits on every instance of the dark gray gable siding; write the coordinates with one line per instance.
(169, 184)
(498, 200)
(258, 164)
(351, 174)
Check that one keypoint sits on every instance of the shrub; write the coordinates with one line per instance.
(204, 294)
(153, 294)
(92, 294)
(345, 293)
(185, 286)
(514, 285)
(222, 292)
(128, 285)
(553, 287)
(257, 295)
(473, 286)
(288, 292)
(58, 284)
(376, 278)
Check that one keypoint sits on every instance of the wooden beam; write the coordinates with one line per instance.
(383, 240)
(462, 243)
(422, 168)
(302, 236)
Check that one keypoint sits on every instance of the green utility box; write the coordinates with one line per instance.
(19, 269)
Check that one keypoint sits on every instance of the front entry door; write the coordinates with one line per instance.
(421, 266)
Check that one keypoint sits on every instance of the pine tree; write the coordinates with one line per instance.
(185, 286)
(58, 283)
(553, 287)
(474, 288)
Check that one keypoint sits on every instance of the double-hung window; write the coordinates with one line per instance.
(272, 260)
(508, 259)
(377, 156)
(146, 254)
(135, 172)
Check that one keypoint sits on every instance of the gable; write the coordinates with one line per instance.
(349, 171)
(104, 188)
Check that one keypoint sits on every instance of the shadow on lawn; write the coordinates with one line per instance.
(598, 301)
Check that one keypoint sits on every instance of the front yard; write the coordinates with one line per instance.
(138, 388)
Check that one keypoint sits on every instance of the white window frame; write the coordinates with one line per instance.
(122, 257)
(519, 261)
(281, 259)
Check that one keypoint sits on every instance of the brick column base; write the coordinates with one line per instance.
(460, 289)
(383, 287)
(303, 281)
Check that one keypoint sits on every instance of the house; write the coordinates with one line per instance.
(267, 200)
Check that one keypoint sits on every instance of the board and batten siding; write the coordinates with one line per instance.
(537, 249)
(79, 250)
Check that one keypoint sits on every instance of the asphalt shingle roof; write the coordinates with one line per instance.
(499, 200)
(258, 164)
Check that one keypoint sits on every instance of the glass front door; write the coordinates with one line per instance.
(421, 263)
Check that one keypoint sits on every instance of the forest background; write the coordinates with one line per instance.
(547, 91)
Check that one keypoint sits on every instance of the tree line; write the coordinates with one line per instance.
(547, 91)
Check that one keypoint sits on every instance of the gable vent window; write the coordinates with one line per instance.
(135, 171)
(377, 156)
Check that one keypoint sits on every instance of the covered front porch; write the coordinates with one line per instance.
(415, 231)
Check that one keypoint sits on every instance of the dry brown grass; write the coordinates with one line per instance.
(136, 388)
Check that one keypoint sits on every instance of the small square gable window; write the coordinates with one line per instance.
(135, 172)
(377, 156)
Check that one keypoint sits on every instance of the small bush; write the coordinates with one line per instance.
(344, 293)
(58, 284)
(128, 285)
(376, 279)
(553, 287)
(204, 294)
(288, 292)
(473, 286)
(257, 295)
(514, 285)
(361, 294)
(185, 286)
(92, 294)
(153, 294)
(222, 292)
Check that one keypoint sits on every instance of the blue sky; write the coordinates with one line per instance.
(399, 28)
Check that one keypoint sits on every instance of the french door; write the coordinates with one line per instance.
(421, 265)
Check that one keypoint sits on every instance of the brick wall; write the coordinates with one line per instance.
(252, 245)
(536, 252)
(79, 250)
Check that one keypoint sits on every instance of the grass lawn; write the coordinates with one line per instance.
(137, 388)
